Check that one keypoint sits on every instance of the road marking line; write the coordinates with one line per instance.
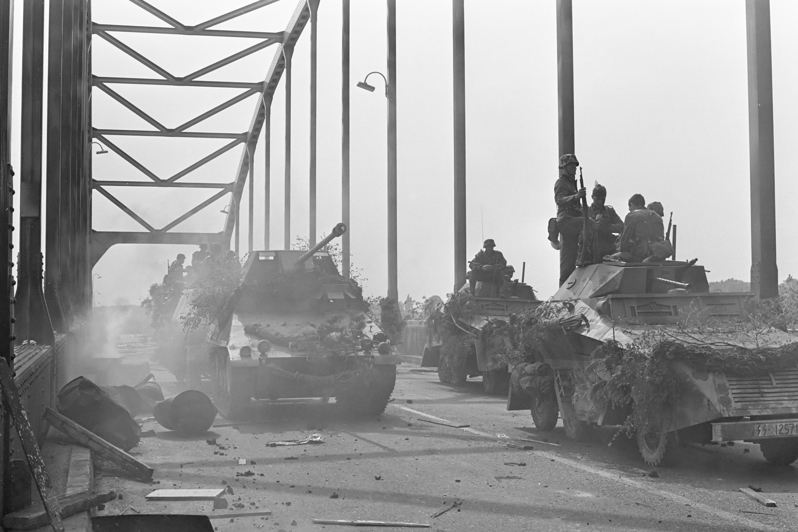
(620, 479)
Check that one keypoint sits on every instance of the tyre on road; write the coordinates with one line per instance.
(657, 448)
(545, 410)
(373, 398)
(780, 452)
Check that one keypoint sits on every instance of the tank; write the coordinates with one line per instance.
(461, 349)
(295, 328)
(725, 372)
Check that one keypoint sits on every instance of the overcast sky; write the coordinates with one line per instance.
(661, 110)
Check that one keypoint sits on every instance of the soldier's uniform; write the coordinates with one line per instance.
(643, 236)
(569, 217)
(602, 234)
(491, 258)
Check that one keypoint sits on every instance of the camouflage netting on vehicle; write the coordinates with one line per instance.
(641, 375)
(339, 334)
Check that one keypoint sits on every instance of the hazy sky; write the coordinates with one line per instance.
(661, 109)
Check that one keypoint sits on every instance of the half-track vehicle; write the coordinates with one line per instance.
(732, 376)
(486, 315)
(293, 328)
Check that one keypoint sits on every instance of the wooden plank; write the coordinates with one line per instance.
(764, 501)
(185, 494)
(358, 522)
(240, 514)
(29, 445)
(107, 450)
(36, 516)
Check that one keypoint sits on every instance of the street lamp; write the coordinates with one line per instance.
(366, 86)
(102, 151)
(390, 95)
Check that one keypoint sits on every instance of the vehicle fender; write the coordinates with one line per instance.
(699, 400)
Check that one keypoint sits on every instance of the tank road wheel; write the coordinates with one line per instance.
(575, 429)
(496, 381)
(231, 398)
(545, 410)
(657, 448)
(373, 398)
(444, 371)
(779, 452)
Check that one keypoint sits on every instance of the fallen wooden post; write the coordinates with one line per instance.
(241, 514)
(358, 522)
(189, 494)
(36, 516)
(29, 445)
(446, 507)
(107, 450)
(764, 501)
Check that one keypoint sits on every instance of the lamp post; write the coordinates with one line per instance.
(390, 94)
(102, 150)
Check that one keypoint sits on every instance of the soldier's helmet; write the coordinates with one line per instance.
(568, 158)
(489, 242)
(180, 256)
(509, 269)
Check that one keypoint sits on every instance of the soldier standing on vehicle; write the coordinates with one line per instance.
(643, 236)
(569, 221)
(198, 256)
(605, 227)
(657, 208)
(488, 267)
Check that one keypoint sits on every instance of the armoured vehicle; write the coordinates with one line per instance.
(295, 328)
(487, 314)
(736, 374)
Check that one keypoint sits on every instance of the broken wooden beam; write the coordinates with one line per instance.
(189, 494)
(359, 522)
(764, 501)
(105, 449)
(29, 445)
(241, 514)
(36, 516)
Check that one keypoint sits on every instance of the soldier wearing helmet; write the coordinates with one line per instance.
(568, 224)
(488, 267)
(604, 228)
(176, 270)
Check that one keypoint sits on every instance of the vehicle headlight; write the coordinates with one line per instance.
(384, 348)
(245, 352)
(264, 346)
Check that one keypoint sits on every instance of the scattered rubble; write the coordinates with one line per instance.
(313, 438)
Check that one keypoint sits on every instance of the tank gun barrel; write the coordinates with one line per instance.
(337, 231)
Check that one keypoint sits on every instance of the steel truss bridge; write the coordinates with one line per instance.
(52, 290)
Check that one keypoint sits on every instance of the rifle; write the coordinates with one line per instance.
(670, 224)
(584, 219)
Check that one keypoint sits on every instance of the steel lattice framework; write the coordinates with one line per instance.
(248, 138)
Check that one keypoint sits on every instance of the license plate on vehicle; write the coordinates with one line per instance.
(765, 430)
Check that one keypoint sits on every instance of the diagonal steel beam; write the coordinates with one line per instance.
(123, 154)
(158, 13)
(96, 28)
(227, 60)
(129, 105)
(233, 14)
(102, 241)
(179, 83)
(216, 110)
(196, 209)
(124, 208)
(135, 55)
(224, 149)
(292, 33)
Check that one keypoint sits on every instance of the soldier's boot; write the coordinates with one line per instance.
(554, 234)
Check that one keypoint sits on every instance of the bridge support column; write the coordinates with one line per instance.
(565, 76)
(33, 320)
(345, 206)
(287, 201)
(458, 34)
(393, 289)
(764, 271)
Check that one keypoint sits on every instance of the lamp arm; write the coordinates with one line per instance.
(365, 80)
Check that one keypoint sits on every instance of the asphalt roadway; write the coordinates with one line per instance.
(436, 444)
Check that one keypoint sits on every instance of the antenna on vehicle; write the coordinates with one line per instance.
(523, 271)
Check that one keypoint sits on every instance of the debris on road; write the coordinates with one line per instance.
(653, 473)
(242, 461)
(185, 494)
(36, 516)
(519, 446)
(85, 403)
(539, 441)
(761, 499)
(522, 464)
(241, 514)
(444, 424)
(313, 438)
(97, 444)
(446, 507)
(190, 413)
(358, 522)
(219, 503)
